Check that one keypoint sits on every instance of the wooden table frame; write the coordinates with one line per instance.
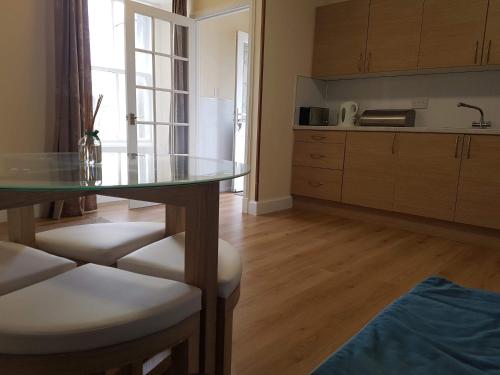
(196, 204)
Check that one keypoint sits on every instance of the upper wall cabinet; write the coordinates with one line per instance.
(491, 55)
(340, 38)
(394, 35)
(452, 33)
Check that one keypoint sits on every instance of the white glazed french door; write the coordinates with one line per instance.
(160, 58)
(160, 74)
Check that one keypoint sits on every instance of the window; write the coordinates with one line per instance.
(107, 47)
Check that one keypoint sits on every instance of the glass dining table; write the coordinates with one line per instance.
(187, 185)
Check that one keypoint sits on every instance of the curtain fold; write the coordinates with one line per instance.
(73, 85)
(181, 102)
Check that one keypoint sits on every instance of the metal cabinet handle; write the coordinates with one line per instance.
(317, 137)
(489, 50)
(469, 146)
(393, 150)
(316, 156)
(456, 146)
(315, 184)
(475, 53)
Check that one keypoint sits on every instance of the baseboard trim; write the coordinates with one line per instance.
(433, 227)
(269, 206)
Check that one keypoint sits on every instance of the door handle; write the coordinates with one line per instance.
(315, 184)
(488, 55)
(316, 156)
(475, 53)
(393, 150)
(317, 137)
(132, 119)
(456, 146)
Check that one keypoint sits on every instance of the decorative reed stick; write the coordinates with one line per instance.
(98, 105)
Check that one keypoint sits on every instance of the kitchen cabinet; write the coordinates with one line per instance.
(369, 170)
(452, 33)
(394, 35)
(317, 183)
(491, 55)
(319, 155)
(340, 38)
(478, 201)
(427, 174)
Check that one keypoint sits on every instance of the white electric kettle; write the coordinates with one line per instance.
(347, 113)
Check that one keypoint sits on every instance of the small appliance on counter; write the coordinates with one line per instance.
(314, 116)
(388, 117)
(347, 114)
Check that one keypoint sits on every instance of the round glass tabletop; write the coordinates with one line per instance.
(64, 171)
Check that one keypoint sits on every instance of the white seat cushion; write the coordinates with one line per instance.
(165, 258)
(21, 266)
(91, 307)
(102, 243)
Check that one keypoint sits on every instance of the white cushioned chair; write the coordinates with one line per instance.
(102, 243)
(95, 318)
(165, 259)
(21, 266)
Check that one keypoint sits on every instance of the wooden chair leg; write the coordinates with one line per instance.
(224, 338)
(180, 359)
(194, 353)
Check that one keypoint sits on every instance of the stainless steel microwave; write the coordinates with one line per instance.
(314, 116)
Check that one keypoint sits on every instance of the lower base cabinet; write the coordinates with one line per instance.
(317, 183)
(478, 201)
(428, 167)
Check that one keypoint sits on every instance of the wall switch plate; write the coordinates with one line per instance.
(420, 103)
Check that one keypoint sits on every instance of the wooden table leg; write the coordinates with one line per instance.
(202, 235)
(21, 223)
(175, 220)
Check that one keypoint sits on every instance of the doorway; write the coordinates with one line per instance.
(223, 61)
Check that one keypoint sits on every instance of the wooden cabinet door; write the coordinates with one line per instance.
(491, 55)
(478, 200)
(394, 35)
(452, 33)
(369, 170)
(317, 183)
(427, 174)
(340, 38)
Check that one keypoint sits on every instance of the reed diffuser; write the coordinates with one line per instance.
(89, 146)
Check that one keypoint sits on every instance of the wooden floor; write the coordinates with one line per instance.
(311, 281)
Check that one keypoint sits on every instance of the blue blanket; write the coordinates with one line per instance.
(437, 328)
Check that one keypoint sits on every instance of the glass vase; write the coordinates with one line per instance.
(89, 148)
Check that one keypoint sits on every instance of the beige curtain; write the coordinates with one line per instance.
(73, 84)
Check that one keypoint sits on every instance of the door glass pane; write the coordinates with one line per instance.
(144, 69)
(181, 108)
(143, 32)
(181, 41)
(145, 139)
(163, 68)
(163, 37)
(181, 75)
(172, 139)
(163, 106)
(144, 99)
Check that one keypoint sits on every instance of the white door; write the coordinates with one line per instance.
(241, 106)
(160, 77)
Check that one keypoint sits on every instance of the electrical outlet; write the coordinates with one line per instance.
(420, 103)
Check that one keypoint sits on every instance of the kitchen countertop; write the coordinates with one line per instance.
(415, 129)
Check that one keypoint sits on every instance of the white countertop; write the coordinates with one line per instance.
(415, 129)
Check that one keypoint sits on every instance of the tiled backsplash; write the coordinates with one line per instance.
(443, 92)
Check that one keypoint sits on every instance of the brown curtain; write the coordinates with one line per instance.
(73, 85)
(179, 140)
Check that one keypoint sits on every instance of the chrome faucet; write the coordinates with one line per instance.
(475, 124)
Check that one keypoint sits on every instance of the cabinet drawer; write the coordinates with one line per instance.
(319, 155)
(320, 136)
(317, 183)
